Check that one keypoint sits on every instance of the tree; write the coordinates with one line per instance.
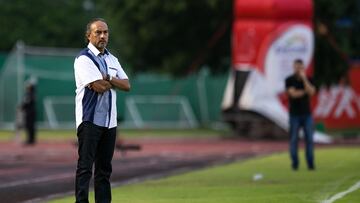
(170, 36)
(42, 23)
(337, 42)
(175, 37)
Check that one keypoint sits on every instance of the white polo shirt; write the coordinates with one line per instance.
(97, 108)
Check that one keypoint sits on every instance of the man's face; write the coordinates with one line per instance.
(99, 35)
(298, 68)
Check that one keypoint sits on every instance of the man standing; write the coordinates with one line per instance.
(299, 90)
(29, 109)
(97, 73)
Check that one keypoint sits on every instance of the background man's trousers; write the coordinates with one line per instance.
(305, 122)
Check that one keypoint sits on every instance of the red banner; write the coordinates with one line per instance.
(338, 106)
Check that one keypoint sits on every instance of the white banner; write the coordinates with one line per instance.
(295, 42)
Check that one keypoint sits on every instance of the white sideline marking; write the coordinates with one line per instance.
(37, 180)
(342, 194)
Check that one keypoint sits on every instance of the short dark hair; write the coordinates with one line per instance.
(88, 27)
(298, 61)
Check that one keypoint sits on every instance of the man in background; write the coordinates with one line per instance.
(28, 108)
(299, 90)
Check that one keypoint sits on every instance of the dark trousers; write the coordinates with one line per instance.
(30, 127)
(305, 122)
(96, 145)
(30, 132)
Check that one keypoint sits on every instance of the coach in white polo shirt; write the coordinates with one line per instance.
(98, 74)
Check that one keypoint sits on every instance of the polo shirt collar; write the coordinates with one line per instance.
(95, 51)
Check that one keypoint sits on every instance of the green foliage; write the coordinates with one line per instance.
(42, 23)
(335, 50)
(167, 36)
(156, 35)
(170, 36)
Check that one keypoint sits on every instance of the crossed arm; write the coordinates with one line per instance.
(101, 86)
(309, 89)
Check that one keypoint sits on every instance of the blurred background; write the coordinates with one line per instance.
(203, 74)
(178, 55)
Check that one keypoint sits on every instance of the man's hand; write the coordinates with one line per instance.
(100, 86)
(122, 84)
(303, 75)
(309, 88)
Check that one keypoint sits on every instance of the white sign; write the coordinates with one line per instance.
(295, 42)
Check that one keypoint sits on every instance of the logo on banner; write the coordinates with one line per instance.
(295, 44)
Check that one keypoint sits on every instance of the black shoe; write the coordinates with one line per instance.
(311, 168)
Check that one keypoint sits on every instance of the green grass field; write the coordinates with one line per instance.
(337, 170)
